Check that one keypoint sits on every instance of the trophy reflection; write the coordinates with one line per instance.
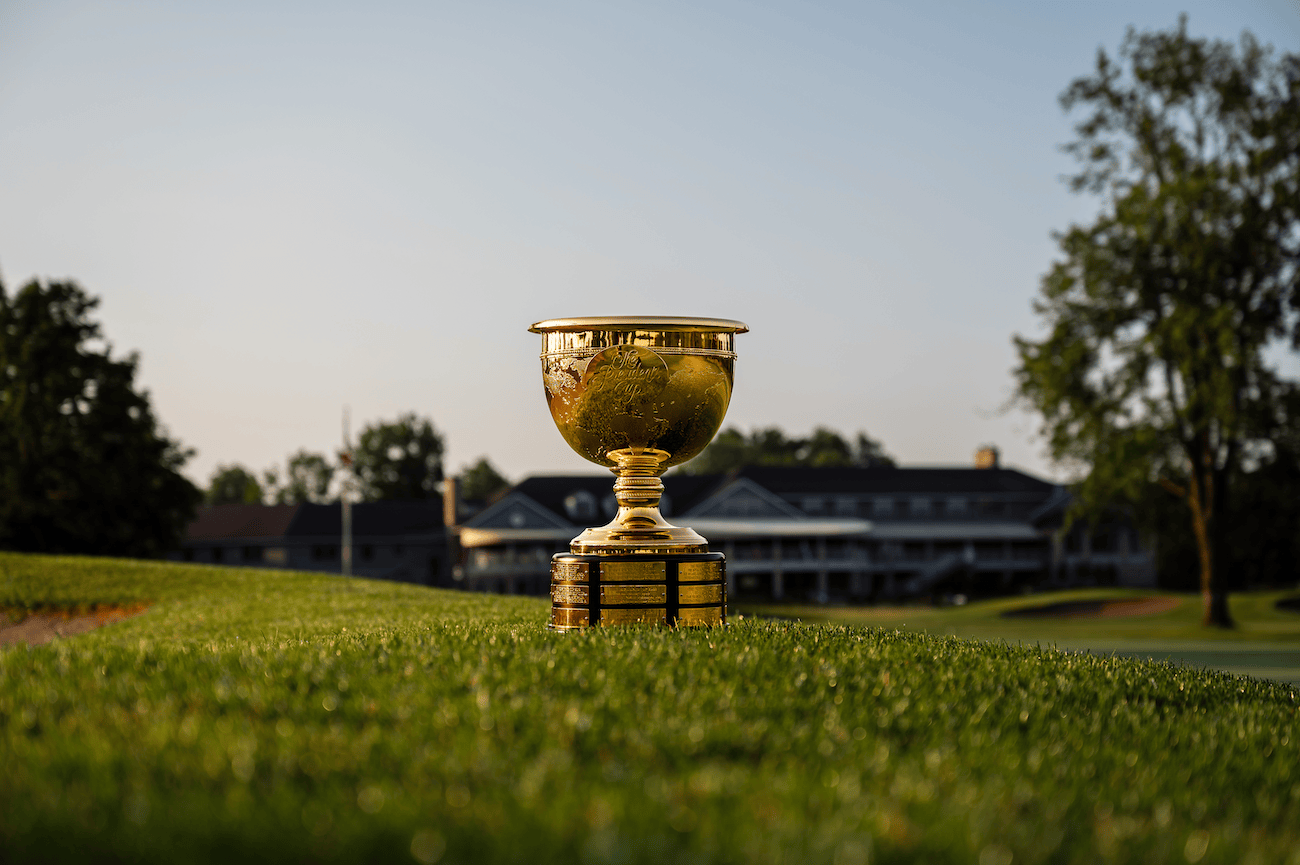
(638, 395)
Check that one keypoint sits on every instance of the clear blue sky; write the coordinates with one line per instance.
(289, 207)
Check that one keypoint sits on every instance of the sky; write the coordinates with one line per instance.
(288, 208)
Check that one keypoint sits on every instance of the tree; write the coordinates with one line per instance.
(481, 481)
(399, 460)
(1159, 312)
(233, 485)
(85, 465)
(731, 449)
(1262, 550)
(307, 479)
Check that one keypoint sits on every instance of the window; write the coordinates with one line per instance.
(251, 554)
(920, 507)
(955, 507)
(580, 505)
(367, 552)
(813, 505)
(324, 552)
(845, 506)
(187, 555)
(902, 507)
(883, 507)
(218, 554)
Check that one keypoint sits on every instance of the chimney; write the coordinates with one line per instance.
(986, 457)
(450, 502)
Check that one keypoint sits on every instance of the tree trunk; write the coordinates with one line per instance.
(1207, 525)
(1217, 614)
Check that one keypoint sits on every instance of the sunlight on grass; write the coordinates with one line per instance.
(279, 716)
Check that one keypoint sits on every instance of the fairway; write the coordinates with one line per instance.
(1265, 644)
(273, 716)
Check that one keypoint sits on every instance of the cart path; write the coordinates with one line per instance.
(42, 627)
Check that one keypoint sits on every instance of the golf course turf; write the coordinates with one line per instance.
(273, 716)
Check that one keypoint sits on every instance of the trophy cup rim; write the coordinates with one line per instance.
(663, 323)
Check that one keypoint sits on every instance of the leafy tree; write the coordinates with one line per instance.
(85, 466)
(481, 481)
(731, 449)
(307, 479)
(1260, 549)
(233, 485)
(399, 460)
(1159, 312)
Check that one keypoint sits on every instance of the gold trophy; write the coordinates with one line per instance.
(638, 394)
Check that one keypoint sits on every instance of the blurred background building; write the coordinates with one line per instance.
(392, 540)
(828, 534)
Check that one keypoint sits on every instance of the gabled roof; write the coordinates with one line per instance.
(744, 498)
(789, 480)
(549, 491)
(518, 510)
(240, 521)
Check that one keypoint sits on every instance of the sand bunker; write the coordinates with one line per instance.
(42, 627)
(1101, 608)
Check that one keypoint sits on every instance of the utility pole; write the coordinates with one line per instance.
(345, 492)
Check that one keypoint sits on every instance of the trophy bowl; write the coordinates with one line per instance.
(638, 394)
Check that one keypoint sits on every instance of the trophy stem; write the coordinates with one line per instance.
(638, 527)
(638, 486)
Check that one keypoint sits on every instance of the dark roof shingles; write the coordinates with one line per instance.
(240, 521)
(784, 480)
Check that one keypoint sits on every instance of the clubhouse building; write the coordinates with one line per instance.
(821, 535)
(826, 535)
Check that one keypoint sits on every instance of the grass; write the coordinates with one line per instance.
(1265, 643)
(1258, 619)
(281, 717)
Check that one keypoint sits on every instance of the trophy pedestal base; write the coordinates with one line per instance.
(650, 589)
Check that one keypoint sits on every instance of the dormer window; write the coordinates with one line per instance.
(580, 505)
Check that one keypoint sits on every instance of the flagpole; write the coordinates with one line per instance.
(345, 490)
